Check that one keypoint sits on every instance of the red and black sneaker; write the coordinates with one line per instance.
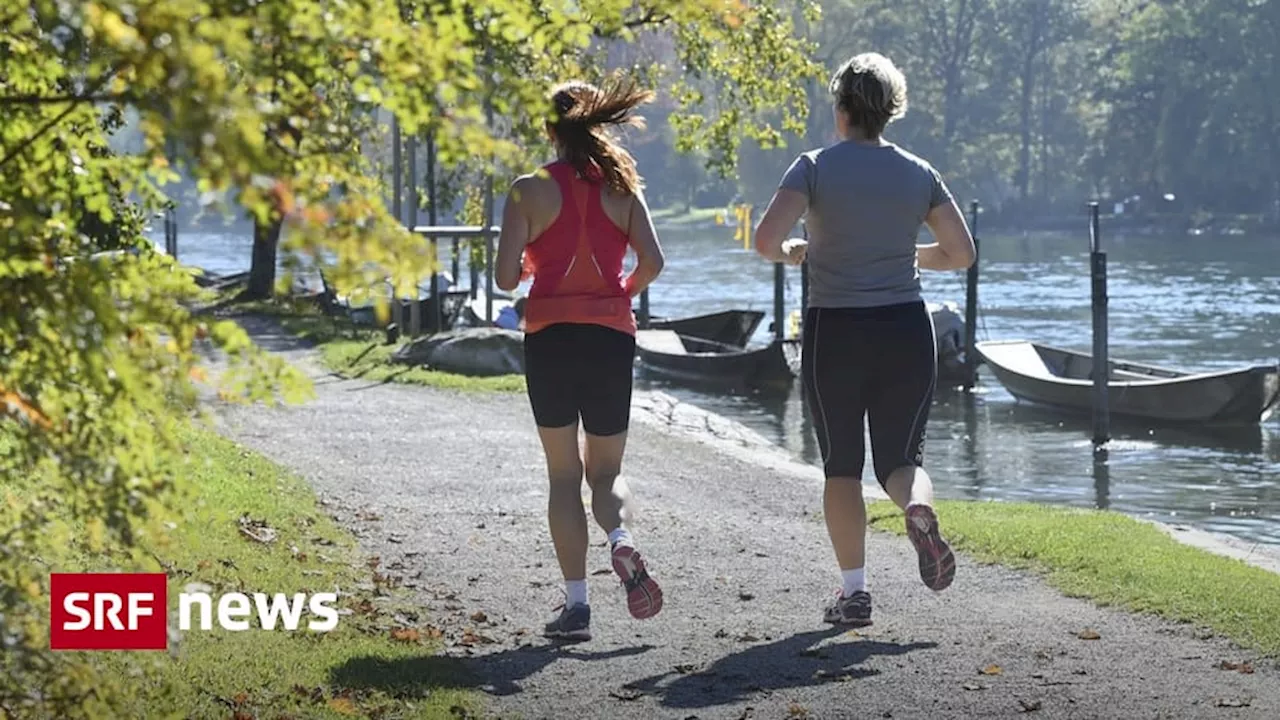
(937, 562)
(644, 597)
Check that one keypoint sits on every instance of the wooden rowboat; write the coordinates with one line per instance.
(727, 327)
(670, 355)
(1063, 378)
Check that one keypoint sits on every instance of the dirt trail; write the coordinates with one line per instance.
(449, 490)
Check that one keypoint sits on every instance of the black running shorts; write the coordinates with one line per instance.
(879, 363)
(580, 371)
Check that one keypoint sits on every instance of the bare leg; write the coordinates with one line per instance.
(610, 496)
(909, 485)
(565, 514)
(846, 515)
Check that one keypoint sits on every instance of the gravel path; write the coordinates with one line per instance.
(449, 491)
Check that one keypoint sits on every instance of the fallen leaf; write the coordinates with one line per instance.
(1089, 634)
(202, 565)
(434, 633)
(626, 694)
(1029, 705)
(1223, 702)
(479, 616)
(242, 715)
(1243, 667)
(257, 530)
(343, 706)
(406, 635)
(796, 710)
(603, 571)
(973, 686)
(992, 670)
(240, 699)
(471, 638)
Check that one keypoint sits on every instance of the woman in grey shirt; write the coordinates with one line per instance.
(869, 348)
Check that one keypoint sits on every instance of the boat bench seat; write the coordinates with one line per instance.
(664, 341)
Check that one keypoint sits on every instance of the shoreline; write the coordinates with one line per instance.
(734, 438)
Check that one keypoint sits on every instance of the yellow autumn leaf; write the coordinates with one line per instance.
(343, 706)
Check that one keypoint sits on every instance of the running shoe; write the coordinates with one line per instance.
(574, 623)
(644, 597)
(853, 610)
(937, 563)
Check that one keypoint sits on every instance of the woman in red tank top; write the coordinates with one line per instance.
(569, 226)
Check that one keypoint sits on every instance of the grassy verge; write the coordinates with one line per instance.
(378, 662)
(356, 352)
(1113, 559)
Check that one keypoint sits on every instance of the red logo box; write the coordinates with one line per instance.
(108, 611)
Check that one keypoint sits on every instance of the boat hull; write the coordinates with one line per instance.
(709, 364)
(728, 327)
(1061, 378)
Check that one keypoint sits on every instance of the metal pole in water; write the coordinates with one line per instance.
(804, 282)
(971, 306)
(644, 309)
(171, 210)
(1101, 366)
(779, 279)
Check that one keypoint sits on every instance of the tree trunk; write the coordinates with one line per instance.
(262, 271)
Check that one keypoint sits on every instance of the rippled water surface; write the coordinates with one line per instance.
(1197, 303)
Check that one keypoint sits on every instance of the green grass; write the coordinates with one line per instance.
(1113, 559)
(357, 352)
(371, 361)
(356, 669)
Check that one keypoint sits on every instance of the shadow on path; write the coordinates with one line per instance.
(498, 673)
(801, 660)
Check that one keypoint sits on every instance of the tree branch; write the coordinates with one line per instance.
(57, 99)
(26, 142)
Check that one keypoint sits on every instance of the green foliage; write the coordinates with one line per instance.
(271, 105)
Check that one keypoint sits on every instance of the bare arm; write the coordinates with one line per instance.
(643, 238)
(784, 211)
(513, 238)
(954, 248)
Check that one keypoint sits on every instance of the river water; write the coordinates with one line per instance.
(1192, 302)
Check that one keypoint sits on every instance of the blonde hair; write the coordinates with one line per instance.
(583, 114)
(871, 91)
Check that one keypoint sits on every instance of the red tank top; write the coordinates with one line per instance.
(577, 261)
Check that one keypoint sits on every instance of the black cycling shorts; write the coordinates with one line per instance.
(879, 363)
(580, 371)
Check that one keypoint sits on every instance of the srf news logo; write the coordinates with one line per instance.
(129, 611)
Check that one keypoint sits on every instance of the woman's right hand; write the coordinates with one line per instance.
(794, 250)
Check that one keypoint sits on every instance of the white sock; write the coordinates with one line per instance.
(577, 592)
(854, 580)
(620, 537)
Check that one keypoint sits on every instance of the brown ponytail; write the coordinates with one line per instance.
(583, 113)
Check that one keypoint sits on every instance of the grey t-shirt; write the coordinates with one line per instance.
(866, 206)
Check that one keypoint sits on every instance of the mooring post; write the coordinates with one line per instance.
(171, 208)
(415, 302)
(397, 197)
(779, 280)
(804, 281)
(644, 309)
(1101, 366)
(971, 305)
